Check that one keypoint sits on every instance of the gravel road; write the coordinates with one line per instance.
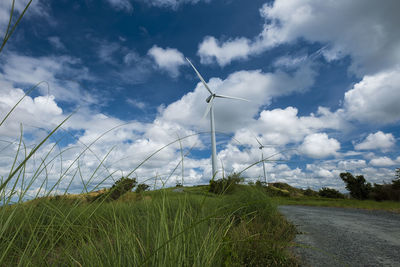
(345, 237)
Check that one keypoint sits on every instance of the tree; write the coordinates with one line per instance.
(396, 181)
(357, 186)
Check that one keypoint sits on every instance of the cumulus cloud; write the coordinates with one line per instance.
(378, 140)
(121, 5)
(283, 126)
(40, 111)
(365, 30)
(319, 145)
(382, 162)
(211, 49)
(351, 165)
(62, 74)
(375, 98)
(168, 59)
(231, 115)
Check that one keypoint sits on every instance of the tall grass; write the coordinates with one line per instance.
(159, 228)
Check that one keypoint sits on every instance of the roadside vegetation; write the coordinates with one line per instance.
(361, 195)
(153, 228)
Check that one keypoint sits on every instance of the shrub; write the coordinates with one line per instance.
(357, 186)
(141, 188)
(310, 193)
(385, 192)
(330, 193)
(225, 185)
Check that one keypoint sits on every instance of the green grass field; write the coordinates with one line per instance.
(159, 228)
(391, 206)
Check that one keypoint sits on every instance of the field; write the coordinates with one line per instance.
(158, 228)
(391, 206)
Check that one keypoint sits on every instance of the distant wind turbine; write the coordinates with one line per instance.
(210, 110)
(262, 159)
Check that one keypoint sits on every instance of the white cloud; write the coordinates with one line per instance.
(378, 140)
(173, 4)
(41, 112)
(364, 29)
(36, 8)
(284, 126)
(62, 74)
(231, 115)
(121, 5)
(382, 162)
(169, 59)
(375, 98)
(56, 42)
(136, 103)
(107, 50)
(211, 49)
(319, 145)
(350, 165)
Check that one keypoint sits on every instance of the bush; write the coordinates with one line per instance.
(385, 192)
(225, 185)
(357, 186)
(141, 188)
(330, 193)
(310, 193)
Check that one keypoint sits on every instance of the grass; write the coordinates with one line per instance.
(391, 206)
(159, 228)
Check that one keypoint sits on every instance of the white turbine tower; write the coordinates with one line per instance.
(210, 110)
(262, 159)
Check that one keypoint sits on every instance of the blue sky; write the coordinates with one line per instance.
(322, 76)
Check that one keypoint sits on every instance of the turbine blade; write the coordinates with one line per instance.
(200, 77)
(258, 141)
(208, 107)
(231, 97)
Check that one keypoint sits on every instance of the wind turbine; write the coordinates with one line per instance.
(210, 110)
(262, 158)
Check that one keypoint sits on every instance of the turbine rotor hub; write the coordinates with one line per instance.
(209, 98)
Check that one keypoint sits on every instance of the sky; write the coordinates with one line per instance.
(322, 77)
